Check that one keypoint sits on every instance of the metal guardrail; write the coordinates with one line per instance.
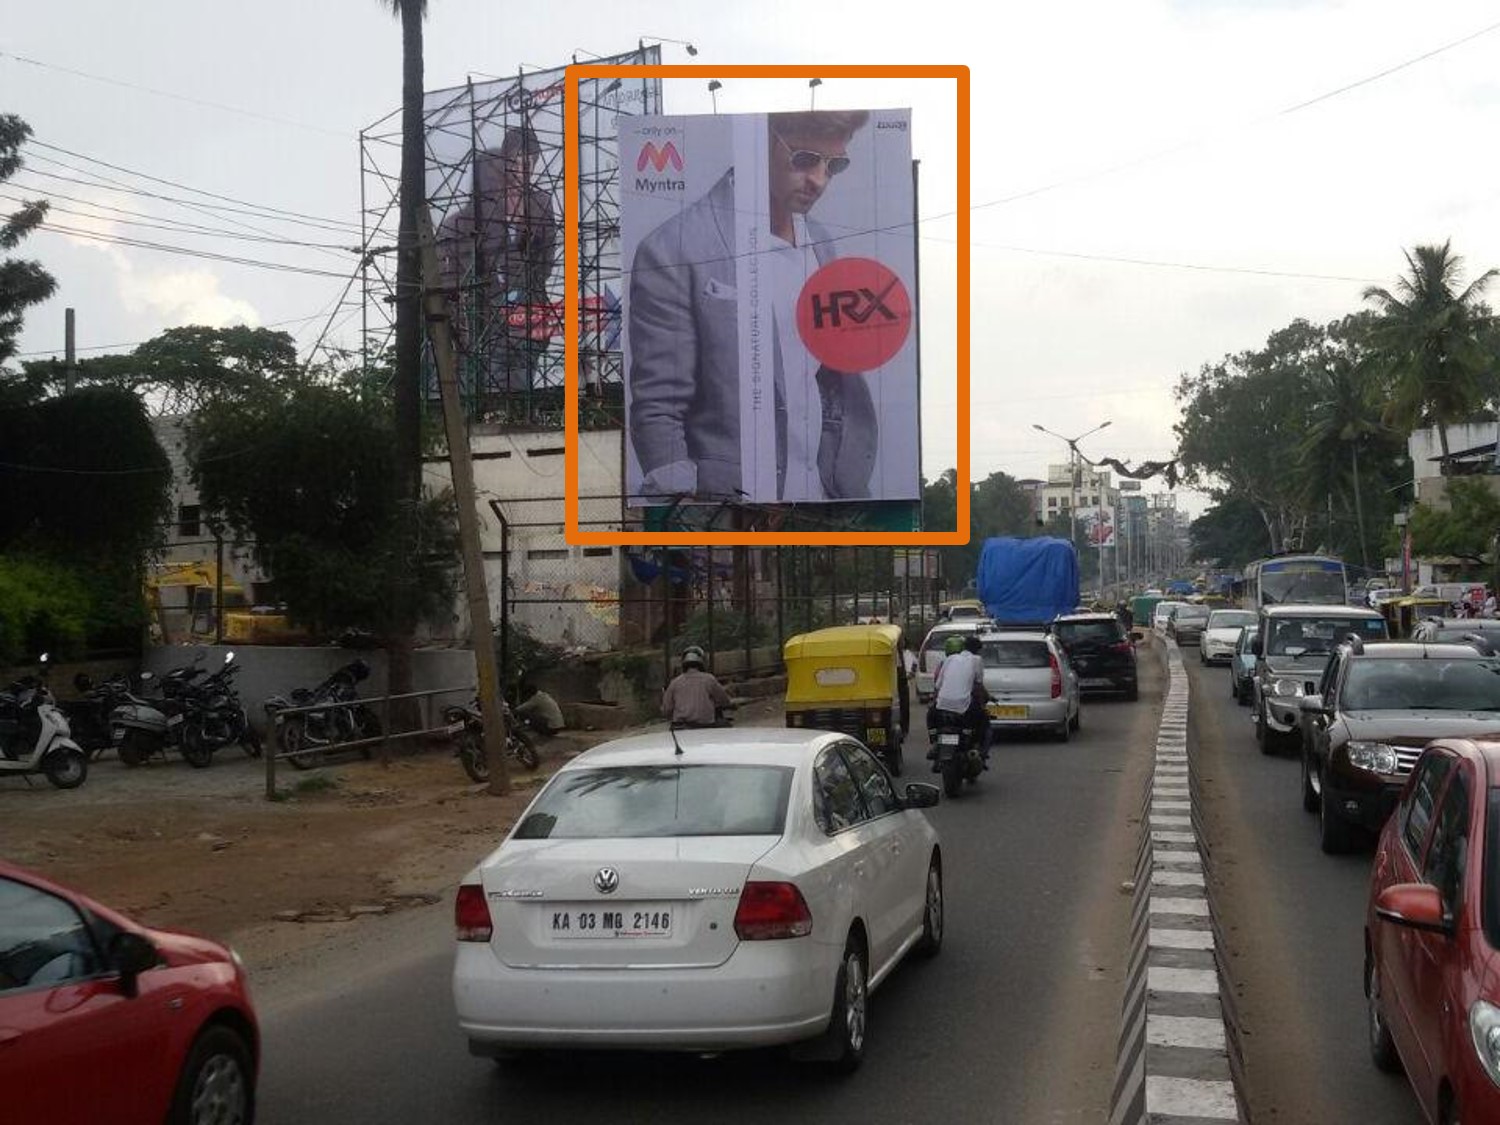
(274, 753)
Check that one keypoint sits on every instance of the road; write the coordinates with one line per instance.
(1016, 1021)
(1294, 921)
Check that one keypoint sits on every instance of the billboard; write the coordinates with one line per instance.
(770, 339)
(495, 153)
(1098, 525)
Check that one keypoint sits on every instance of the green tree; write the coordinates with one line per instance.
(306, 472)
(23, 283)
(1429, 340)
(1465, 529)
(997, 506)
(1244, 422)
(1230, 532)
(184, 369)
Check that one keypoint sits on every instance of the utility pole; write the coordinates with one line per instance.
(70, 352)
(461, 465)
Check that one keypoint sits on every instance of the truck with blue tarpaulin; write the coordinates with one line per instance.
(1027, 581)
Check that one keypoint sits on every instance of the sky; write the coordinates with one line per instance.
(1154, 183)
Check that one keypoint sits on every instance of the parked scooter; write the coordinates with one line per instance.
(307, 736)
(957, 756)
(146, 725)
(466, 726)
(34, 734)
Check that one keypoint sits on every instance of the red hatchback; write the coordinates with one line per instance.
(105, 1020)
(1432, 931)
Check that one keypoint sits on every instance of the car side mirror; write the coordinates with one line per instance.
(1255, 646)
(1311, 704)
(920, 795)
(1416, 906)
(130, 955)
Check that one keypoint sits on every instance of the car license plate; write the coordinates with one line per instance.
(875, 736)
(117, 735)
(1008, 711)
(629, 921)
(1093, 683)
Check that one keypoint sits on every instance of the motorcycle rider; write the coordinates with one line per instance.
(694, 698)
(538, 711)
(960, 692)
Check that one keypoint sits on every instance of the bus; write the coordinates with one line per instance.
(1295, 580)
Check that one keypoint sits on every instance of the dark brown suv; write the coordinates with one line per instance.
(1100, 651)
(1379, 704)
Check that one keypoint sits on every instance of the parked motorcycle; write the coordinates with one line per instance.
(213, 717)
(89, 714)
(307, 736)
(956, 755)
(466, 726)
(34, 734)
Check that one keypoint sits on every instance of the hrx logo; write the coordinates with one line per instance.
(854, 315)
(854, 305)
(659, 158)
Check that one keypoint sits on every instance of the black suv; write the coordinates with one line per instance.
(1100, 651)
(1379, 704)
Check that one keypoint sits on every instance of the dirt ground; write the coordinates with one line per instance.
(204, 850)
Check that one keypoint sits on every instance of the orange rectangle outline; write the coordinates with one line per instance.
(574, 534)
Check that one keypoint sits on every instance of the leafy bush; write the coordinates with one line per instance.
(44, 607)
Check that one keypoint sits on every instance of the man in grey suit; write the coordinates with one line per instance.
(685, 349)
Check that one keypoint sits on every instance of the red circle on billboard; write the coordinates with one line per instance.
(853, 314)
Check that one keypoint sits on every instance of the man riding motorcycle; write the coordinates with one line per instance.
(960, 694)
(695, 698)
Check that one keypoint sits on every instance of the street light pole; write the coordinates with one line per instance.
(1074, 459)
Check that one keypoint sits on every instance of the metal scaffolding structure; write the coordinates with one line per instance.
(504, 274)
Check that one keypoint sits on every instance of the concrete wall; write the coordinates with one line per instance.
(269, 670)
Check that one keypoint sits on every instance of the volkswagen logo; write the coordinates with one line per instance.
(606, 879)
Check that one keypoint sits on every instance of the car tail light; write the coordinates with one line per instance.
(772, 910)
(1120, 646)
(1056, 676)
(471, 914)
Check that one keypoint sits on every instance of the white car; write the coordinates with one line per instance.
(1222, 633)
(930, 655)
(729, 889)
(1162, 614)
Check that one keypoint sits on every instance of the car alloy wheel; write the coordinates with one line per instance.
(856, 997)
(215, 1087)
(932, 911)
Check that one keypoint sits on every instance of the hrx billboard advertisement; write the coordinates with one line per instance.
(770, 331)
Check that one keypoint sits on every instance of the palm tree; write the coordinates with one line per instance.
(1428, 339)
(1340, 421)
(407, 454)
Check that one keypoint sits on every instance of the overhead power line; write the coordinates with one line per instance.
(187, 228)
(137, 343)
(265, 209)
(120, 240)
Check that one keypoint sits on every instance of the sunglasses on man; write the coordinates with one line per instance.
(805, 160)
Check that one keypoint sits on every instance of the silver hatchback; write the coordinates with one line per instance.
(1033, 684)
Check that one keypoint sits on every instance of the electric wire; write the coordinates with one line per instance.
(207, 255)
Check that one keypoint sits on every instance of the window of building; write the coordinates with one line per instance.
(597, 552)
(557, 554)
(189, 523)
(1052, 501)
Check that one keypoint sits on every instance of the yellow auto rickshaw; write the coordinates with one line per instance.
(850, 679)
(1402, 614)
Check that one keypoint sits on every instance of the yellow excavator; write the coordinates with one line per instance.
(242, 625)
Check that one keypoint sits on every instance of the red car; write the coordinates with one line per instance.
(102, 1019)
(1432, 931)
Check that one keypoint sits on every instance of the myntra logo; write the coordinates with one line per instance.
(659, 158)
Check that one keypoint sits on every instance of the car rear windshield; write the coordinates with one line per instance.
(1423, 684)
(660, 801)
(1016, 654)
(1314, 636)
(1085, 633)
(1230, 619)
(936, 640)
(1191, 613)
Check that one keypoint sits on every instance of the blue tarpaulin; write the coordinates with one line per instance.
(1028, 581)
